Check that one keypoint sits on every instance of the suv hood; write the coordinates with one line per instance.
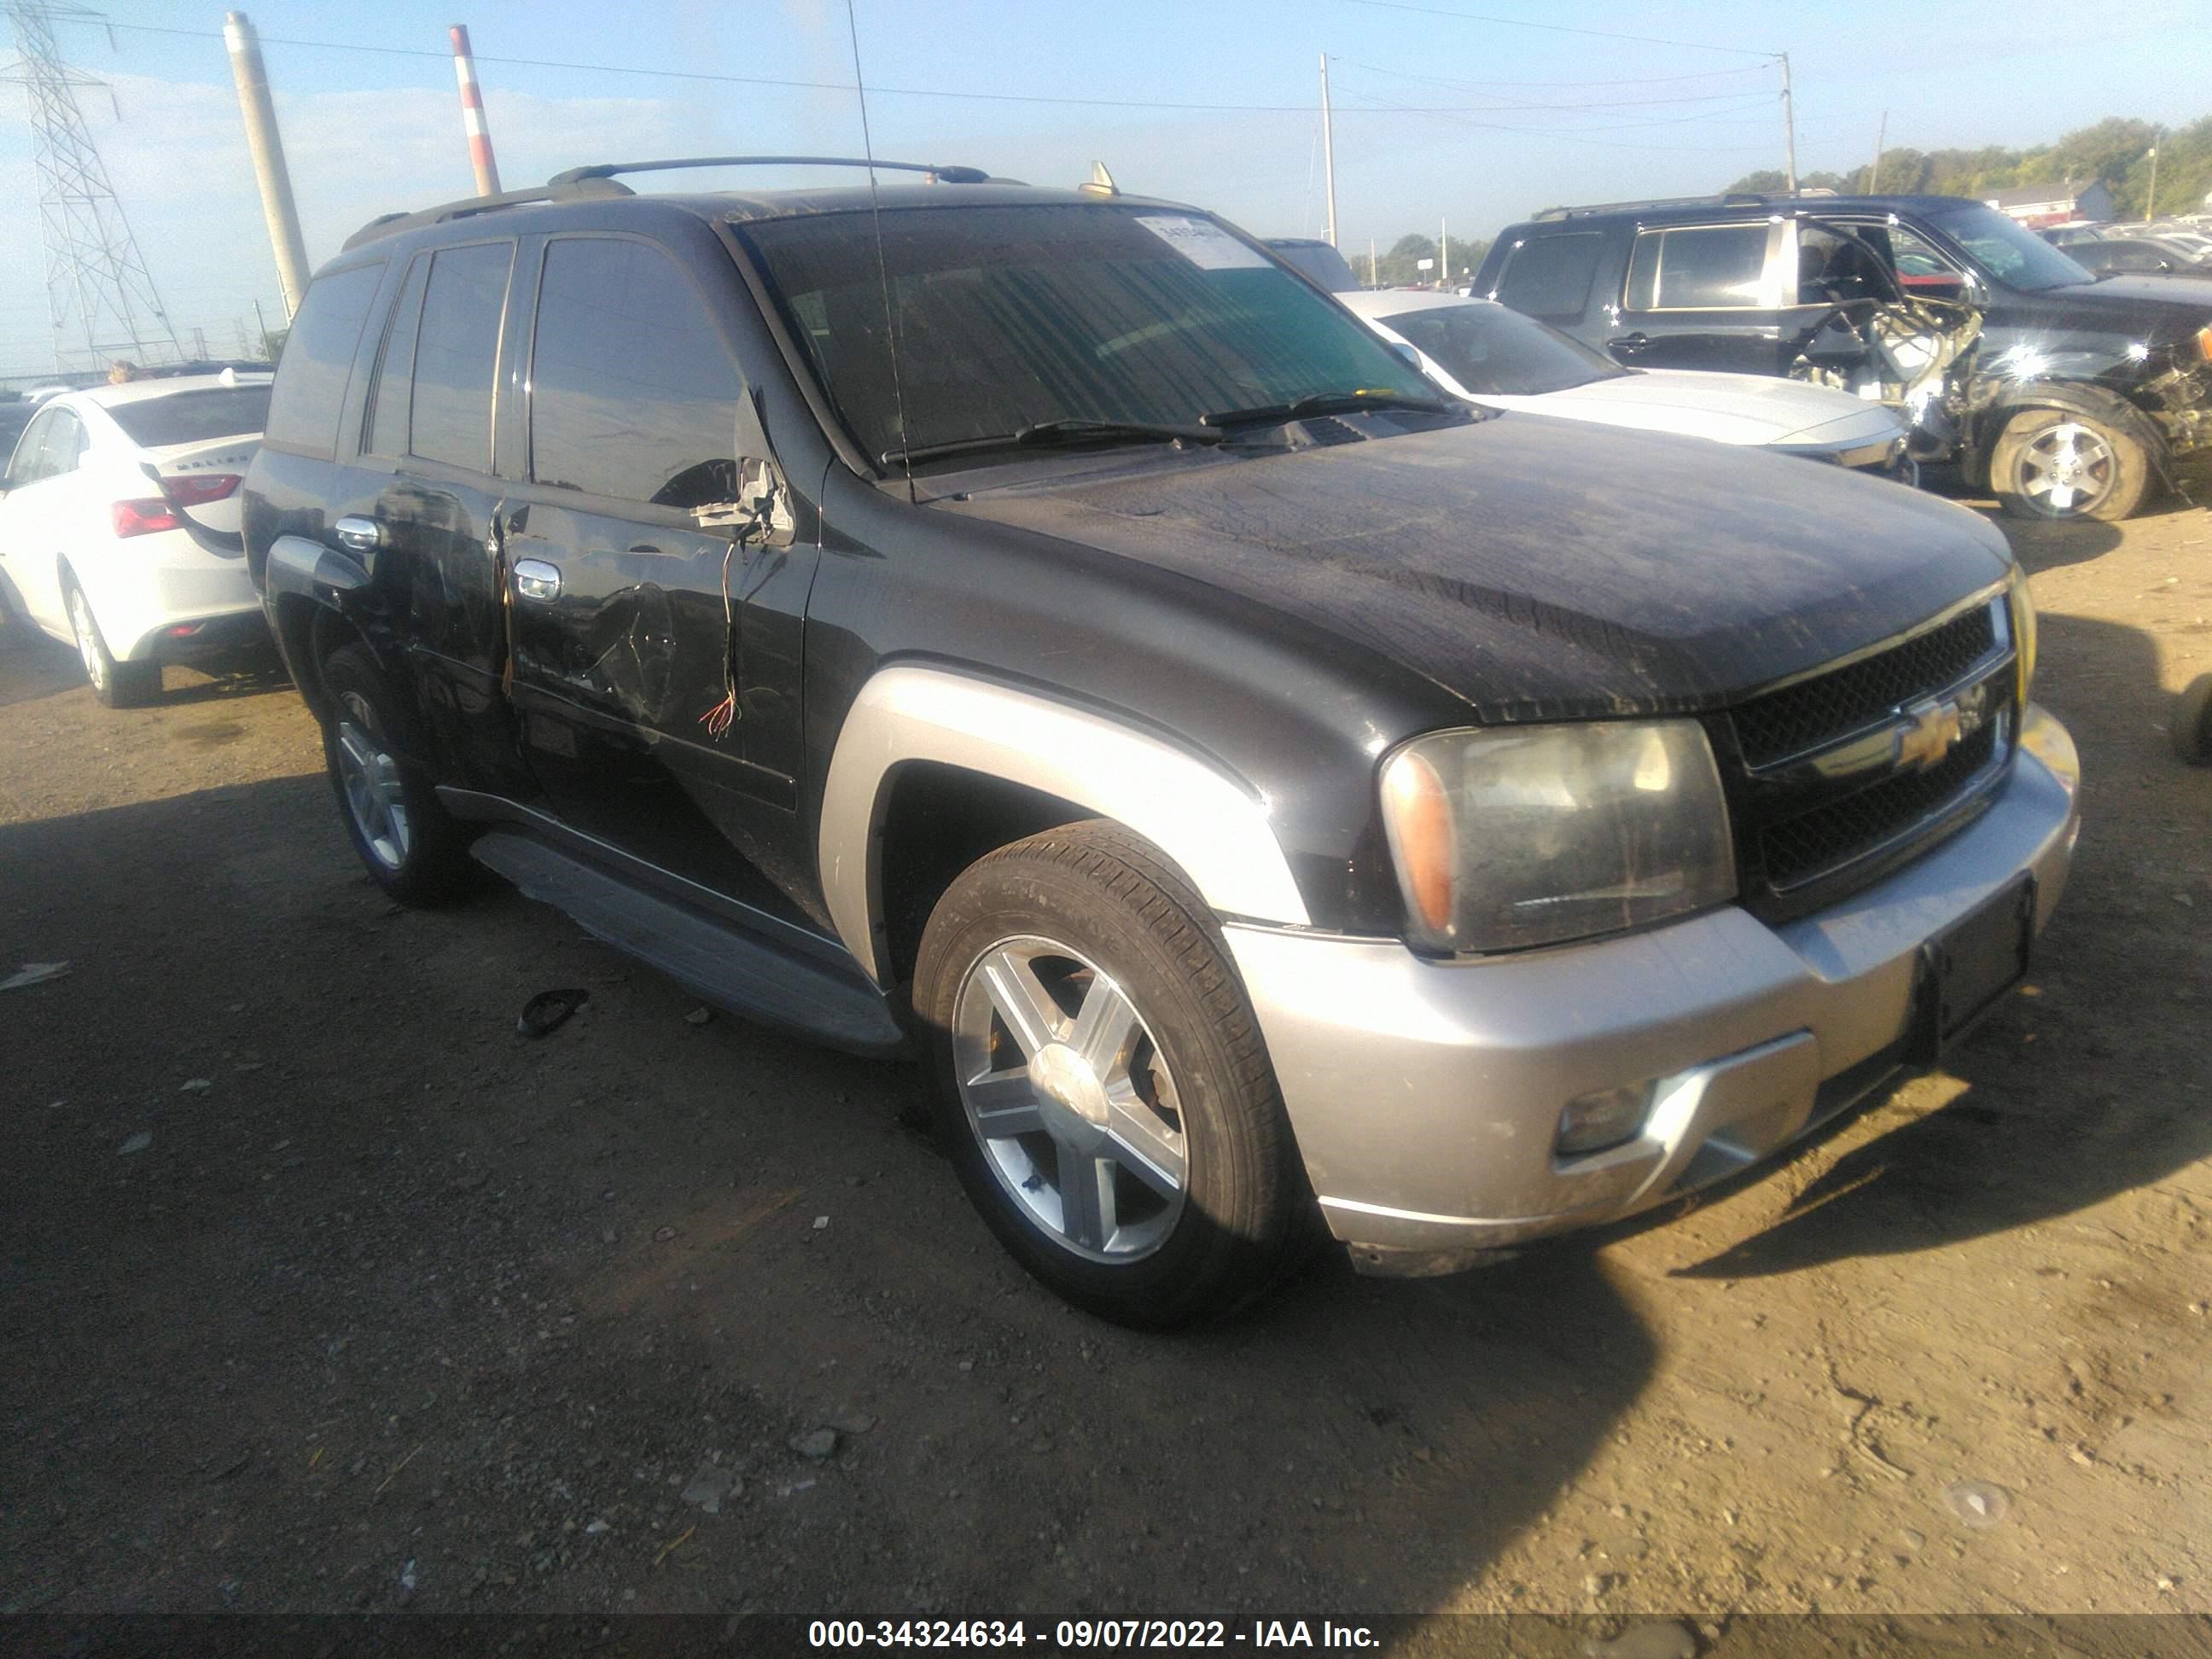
(1541, 569)
(2144, 289)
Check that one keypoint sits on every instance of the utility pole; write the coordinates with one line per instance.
(99, 295)
(2150, 208)
(261, 323)
(1443, 254)
(1788, 123)
(1880, 138)
(1372, 280)
(472, 113)
(266, 146)
(1327, 149)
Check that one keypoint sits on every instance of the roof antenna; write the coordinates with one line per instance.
(883, 269)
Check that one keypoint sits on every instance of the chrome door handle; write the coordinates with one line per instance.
(357, 534)
(534, 578)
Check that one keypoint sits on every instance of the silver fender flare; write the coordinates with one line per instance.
(1214, 827)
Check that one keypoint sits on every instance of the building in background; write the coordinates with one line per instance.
(2038, 206)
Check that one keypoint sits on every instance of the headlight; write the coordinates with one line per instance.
(2020, 605)
(1511, 836)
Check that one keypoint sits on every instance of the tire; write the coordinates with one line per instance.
(416, 850)
(2046, 454)
(1199, 1201)
(117, 684)
(2190, 727)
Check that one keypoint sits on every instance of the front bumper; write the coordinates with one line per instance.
(1426, 1095)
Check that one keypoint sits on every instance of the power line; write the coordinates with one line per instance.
(1559, 29)
(1517, 103)
(787, 84)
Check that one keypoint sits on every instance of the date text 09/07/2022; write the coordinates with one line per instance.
(1084, 1634)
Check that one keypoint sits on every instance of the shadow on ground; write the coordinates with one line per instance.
(391, 1307)
(2015, 1148)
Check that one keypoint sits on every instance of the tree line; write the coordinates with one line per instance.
(2115, 152)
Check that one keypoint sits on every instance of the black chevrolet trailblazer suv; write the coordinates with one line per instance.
(1261, 794)
(2068, 394)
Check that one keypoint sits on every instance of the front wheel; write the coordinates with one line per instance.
(1101, 1082)
(413, 847)
(118, 684)
(2054, 464)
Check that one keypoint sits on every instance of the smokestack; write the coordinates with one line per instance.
(266, 146)
(472, 115)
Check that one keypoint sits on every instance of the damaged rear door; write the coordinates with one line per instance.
(658, 684)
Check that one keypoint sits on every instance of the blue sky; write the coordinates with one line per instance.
(1438, 116)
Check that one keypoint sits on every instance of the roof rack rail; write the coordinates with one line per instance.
(950, 175)
(600, 181)
(1732, 198)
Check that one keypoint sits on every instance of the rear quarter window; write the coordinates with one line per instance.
(186, 417)
(1549, 277)
(457, 355)
(1706, 268)
(311, 378)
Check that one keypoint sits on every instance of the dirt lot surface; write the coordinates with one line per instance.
(323, 1290)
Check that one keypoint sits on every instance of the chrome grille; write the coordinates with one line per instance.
(1813, 712)
(1836, 779)
(1797, 849)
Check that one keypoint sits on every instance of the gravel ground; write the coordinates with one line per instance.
(321, 1290)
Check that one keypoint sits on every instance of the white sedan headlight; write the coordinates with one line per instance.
(1508, 836)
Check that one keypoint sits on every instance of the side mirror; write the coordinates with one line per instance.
(759, 515)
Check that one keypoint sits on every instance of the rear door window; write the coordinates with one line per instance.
(186, 417)
(457, 355)
(317, 358)
(1549, 277)
(1700, 268)
(49, 448)
(633, 393)
(395, 369)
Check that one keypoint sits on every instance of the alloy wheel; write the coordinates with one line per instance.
(375, 796)
(1071, 1099)
(2067, 469)
(88, 639)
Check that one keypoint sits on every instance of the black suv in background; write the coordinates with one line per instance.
(1043, 636)
(2068, 395)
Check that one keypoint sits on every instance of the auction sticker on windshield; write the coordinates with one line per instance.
(1205, 244)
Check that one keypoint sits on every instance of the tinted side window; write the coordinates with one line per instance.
(62, 445)
(30, 464)
(1714, 268)
(311, 379)
(1550, 276)
(395, 369)
(632, 392)
(457, 355)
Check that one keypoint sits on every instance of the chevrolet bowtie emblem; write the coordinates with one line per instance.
(1934, 729)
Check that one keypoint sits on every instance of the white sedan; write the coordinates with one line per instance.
(1480, 350)
(119, 525)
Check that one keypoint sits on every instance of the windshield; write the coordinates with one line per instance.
(1490, 348)
(2008, 251)
(1016, 317)
(185, 417)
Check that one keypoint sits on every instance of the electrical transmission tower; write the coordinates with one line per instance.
(98, 288)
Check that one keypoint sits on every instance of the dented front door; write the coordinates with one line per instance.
(656, 662)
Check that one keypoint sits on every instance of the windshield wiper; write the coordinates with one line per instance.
(1324, 403)
(1045, 434)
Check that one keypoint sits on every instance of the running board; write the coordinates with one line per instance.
(734, 971)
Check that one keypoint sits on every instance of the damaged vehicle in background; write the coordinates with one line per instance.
(2067, 396)
(1494, 356)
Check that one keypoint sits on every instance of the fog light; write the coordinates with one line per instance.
(1593, 1123)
